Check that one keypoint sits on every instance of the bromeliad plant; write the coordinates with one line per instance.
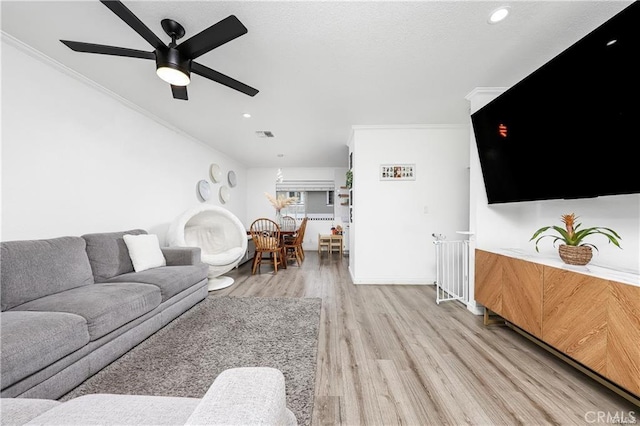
(572, 235)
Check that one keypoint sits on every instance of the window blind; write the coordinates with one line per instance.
(305, 185)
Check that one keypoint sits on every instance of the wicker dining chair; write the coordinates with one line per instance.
(293, 248)
(303, 228)
(288, 223)
(265, 234)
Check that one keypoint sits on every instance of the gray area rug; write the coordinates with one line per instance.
(185, 357)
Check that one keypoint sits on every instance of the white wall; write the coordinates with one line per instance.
(76, 160)
(511, 225)
(390, 237)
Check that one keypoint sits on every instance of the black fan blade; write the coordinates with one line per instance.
(132, 20)
(107, 50)
(179, 92)
(214, 36)
(222, 79)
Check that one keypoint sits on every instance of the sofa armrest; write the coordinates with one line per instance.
(178, 256)
(19, 411)
(245, 396)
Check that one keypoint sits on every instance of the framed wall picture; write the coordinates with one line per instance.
(397, 172)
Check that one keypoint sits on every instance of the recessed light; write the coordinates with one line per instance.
(498, 15)
(280, 155)
(610, 42)
(246, 115)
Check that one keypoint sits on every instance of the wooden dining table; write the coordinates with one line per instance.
(283, 234)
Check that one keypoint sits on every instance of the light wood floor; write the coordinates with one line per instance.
(389, 355)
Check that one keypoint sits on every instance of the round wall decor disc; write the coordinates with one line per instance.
(232, 178)
(204, 190)
(216, 172)
(224, 194)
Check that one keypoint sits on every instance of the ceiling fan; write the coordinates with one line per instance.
(175, 62)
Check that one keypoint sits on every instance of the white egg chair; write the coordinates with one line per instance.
(220, 235)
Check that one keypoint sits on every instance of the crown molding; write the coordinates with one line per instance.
(485, 91)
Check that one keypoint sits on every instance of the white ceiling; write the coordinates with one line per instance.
(320, 66)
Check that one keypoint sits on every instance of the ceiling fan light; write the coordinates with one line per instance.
(173, 76)
(172, 68)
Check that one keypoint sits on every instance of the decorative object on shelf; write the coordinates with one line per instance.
(397, 172)
(574, 251)
(232, 178)
(349, 179)
(344, 197)
(279, 203)
(204, 190)
(224, 194)
(216, 172)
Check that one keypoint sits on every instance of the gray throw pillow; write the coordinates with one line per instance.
(108, 254)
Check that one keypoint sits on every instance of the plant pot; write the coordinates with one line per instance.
(575, 255)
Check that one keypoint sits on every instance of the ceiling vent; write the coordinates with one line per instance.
(264, 133)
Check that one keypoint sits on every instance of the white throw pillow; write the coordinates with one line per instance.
(144, 251)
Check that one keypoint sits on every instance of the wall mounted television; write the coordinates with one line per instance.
(571, 129)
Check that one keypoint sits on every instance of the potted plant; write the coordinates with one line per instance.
(574, 251)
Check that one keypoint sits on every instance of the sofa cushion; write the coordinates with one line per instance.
(170, 279)
(36, 268)
(112, 409)
(144, 251)
(104, 306)
(108, 254)
(31, 341)
(18, 411)
(176, 256)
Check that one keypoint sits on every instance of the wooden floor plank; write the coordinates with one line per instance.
(327, 410)
(359, 393)
(389, 355)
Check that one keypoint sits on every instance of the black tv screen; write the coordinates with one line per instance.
(571, 129)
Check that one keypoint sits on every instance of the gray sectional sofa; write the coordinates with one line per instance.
(72, 305)
(239, 396)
